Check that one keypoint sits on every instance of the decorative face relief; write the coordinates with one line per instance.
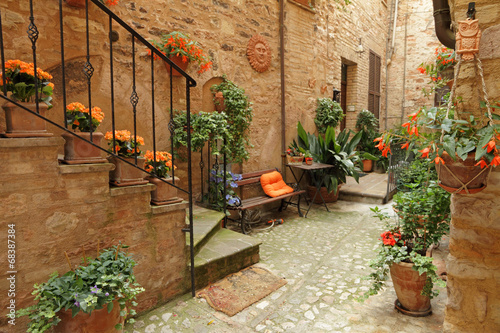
(259, 53)
(468, 37)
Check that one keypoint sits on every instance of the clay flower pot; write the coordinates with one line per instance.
(408, 285)
(76, 3)
(454, 174)
(23, 124)
(125, 174)
(79, 151)
(328, 197)
(367, 165)
(164, 193)
(99, 321)
(178, 61)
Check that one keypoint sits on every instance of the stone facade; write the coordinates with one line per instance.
(71, 208)
(474, 261)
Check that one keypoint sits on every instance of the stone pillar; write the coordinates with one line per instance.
(474, 262)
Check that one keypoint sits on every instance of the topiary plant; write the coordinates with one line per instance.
(328, 114)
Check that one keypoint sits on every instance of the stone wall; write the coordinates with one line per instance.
(71, 208)
(474, 261)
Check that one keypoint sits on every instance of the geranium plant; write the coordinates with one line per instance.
(21, 81)
(78, 117)
(179, 44)
(444, 61)
(159, 166)
(126, 144)
(92, 286)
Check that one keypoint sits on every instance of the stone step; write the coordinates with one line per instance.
(226, 252)
(372, 189)
(206, 223)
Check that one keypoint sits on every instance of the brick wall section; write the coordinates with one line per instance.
(57, 208)
(474, 263)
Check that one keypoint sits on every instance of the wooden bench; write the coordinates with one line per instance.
(252, 178)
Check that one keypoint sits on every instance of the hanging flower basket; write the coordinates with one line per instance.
(463, 177)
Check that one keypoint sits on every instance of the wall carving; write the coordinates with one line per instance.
(259, 53)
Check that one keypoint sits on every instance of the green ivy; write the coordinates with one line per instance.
(328, 114)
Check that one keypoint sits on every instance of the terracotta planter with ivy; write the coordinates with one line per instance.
(463, 177)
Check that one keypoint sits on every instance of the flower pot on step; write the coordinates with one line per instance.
(23, 124)
(367, 165)
(125, 174)
(408, 285)
(99, 321)
(80, 151)
(460, 176)
(164, 193)
(178, 61)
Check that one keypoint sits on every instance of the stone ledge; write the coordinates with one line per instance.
(85, 168)
(31, 142)
(156, 210)
(117, 191)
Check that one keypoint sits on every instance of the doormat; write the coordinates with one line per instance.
(238, 291)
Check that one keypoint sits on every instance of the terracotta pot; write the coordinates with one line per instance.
(408, 286)
(22, 124)
(294, 160)
(76, 3)
(79, 151)
(125, 174)
(309, 161)
(219, 104)
(367, 165)
(328, 197)
(164, 194)
(465, 171)
(178, 61)
(99, 321)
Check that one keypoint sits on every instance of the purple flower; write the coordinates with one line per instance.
(233, 185)
(94, 289)
(77, 303)
(106, 294)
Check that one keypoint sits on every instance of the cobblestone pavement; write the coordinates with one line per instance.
(324, 259)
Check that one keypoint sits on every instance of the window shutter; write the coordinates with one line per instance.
(374, 84)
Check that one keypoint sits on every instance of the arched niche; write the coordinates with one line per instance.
(207, 98)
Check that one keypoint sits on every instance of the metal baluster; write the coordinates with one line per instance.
(134, 99)
(171, 119)
(33, 36)
(190, 183)
(202, 165)
(112, 84)
(209, 201)
(2, 57)
(88, 68)
(153, 114)
(225, 185)
(63, 68)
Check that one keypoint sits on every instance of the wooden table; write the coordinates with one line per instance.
(310, 169)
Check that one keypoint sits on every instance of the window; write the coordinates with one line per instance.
(374, 85)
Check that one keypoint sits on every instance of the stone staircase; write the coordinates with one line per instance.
(372, 189)
(218, 251)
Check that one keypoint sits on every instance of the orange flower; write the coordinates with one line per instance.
(386, 150)
(405, 146)
(425, 152)
(407, 125)
(495, 161)
(482, 163)
(438, 160)
(491, 145)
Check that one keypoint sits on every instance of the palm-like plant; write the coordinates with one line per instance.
(339, 152)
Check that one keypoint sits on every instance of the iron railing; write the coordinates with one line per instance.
(88, 69)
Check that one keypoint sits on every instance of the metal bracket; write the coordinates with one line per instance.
(471, 12)
(186, 229)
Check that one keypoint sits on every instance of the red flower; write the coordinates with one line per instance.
(491, 145)
(407, 125)
(385, 151)
(425, 152)
(495, 161)
(438, 160)
(482, 163)
(413, 116)
(405, 146)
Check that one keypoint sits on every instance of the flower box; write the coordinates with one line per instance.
(294, 160)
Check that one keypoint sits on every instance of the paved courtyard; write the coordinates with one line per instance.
(324, 258)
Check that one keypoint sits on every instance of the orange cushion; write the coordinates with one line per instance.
(273, 184)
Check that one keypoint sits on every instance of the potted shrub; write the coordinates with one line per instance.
(126, 156)
(367, 124)
(77, 148)
(328, 114)
(339, 152)
(180, 49)
(21, 82)
(98, 295)
(293, 155)
(308, 158)
(402, 254)
(159, 166)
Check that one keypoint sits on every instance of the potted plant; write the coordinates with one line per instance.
(98, 295)
(339, 152)
(308, 158)
(402, 254)
(367, 124)
(126, 156)
(293, 155)
(463, 150)
(20, 80)
(328, 114)
(180, 49)
(440, 71)
(159, 165)
(77, 148)
(239, 113)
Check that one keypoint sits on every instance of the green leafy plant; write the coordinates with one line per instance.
(367, 124)
(21, 81)
(328, 114)
(179, 44)
(444, 61)
(396, 247)
(239, 113)
(339, 152)
(92, 286)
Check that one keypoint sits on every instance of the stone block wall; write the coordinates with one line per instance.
(474, 262)
(71, 208)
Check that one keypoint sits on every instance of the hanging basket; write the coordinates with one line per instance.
(462, 177)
